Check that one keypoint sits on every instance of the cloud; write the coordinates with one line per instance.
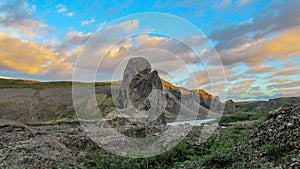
(61, 8)
(72, 39)
(262, 69)
(160, 51)
(280, 48)
(286, 85)
(32, 28)
(64, 10)
(243, 2)
(116, 47)
(126, 26)
(209, 75)
(233, 5)
(243, 89)
(87, 22)
(277, 17)
(31, 58)
(287, 92)
(116, 8)
(70, 14)
(18, 16)
(290, 64)
(278, 80)
(286, 72)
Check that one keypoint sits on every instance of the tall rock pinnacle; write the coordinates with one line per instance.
(141, 89)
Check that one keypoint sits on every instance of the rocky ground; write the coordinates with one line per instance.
(274, 144)
(22, 146)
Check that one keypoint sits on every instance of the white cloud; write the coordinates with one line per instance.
(87, 22)
(70, 14)
(72, 39)
(61, 8)
(19, 18)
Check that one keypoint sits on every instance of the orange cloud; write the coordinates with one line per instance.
(288, 42)
(29, 57)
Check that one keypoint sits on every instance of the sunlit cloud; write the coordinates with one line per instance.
(29, 57)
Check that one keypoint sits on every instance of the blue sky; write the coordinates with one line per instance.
(256, 42)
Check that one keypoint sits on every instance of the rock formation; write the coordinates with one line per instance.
(229, 107)
(140, 95)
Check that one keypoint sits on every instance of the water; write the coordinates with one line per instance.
(190, 122)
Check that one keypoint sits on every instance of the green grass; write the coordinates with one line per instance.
(177, 157)
(246, 106)
(173, 158)
(16, 83)
(217, 152)
(244, 116)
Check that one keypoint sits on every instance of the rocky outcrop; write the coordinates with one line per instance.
(229, 107)
(274, 139)
(141, 93)
(273, 144)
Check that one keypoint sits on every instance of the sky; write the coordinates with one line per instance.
(242, 49)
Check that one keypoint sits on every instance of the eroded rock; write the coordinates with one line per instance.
(140, 95)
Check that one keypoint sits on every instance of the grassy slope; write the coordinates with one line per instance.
(17, 83)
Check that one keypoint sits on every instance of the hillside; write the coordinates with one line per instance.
(270, 104)
(34, 102)
(271, 143)
(18, 83)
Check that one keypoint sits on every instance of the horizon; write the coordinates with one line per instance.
(235, 100)
(258, 43)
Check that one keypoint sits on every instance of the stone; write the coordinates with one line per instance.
(140, 95)
(229, 107)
